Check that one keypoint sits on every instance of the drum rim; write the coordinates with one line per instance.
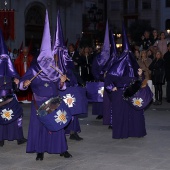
(47, 102)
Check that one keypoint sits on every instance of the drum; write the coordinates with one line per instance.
(138, 97)
(95, 91)
(132, 89)
(54, 114)
(10, 109)
(75, 98)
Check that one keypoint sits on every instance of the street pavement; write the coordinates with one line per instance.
(98, 151)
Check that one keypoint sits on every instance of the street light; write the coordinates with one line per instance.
(168, 31)
(118, 40)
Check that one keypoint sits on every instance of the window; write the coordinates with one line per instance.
(167, 3)
(167, 24)
(115, 5)
(131, 6)
(146, 4)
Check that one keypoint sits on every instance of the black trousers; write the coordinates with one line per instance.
(158, 92)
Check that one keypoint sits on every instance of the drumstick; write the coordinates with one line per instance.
(60, 72)
(36, 75)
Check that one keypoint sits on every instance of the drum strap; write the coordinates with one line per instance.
(6, 102)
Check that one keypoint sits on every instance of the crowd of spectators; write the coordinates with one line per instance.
(152, 55)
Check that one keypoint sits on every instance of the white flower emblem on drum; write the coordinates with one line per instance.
(101, 91)
(69, 100)
(137, 102)
(7, 114)
(61, 117)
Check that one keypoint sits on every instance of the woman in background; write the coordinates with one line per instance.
(158, 76)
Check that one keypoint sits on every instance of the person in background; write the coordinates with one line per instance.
(22, 63)
(161, 44)
(154, 36)
(157, 68)
(77, 63)
(144, 64)
(166, 58)
(137, 54)
(86, 64)
(149, 54)
(13, 55)
(146, 41)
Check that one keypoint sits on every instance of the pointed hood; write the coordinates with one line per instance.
(102, 58)
(59, 49)
(105, 53)
(46, 39)
(45, 58)
(59, 38)
(125, 41)
(6, 66)
(113, 53)
(126, 65)
(3, 48)
(113, 49)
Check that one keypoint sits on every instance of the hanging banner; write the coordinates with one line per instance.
(7, 23)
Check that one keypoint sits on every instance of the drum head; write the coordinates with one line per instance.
(132, 89)
(49, 106)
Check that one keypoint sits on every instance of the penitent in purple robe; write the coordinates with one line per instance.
(74, 124)
(40, 139)
(126, 122)
(13, 130)
(107, 117)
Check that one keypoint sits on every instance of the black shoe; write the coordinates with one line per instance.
(40, 156)
(156, 102)
(110, 127)
(21, 141)
(66, 154)
(99, 117)
(168, 101)
(75, 136)
(2, 143)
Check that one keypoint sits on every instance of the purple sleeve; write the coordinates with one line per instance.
(21, 86)
(108, 83)
(27, 76)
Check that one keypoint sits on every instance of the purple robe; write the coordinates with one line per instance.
(106, 108)
(97, 108)
(126, 122)
(41, 139)
(74, 124)
(12, 130)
